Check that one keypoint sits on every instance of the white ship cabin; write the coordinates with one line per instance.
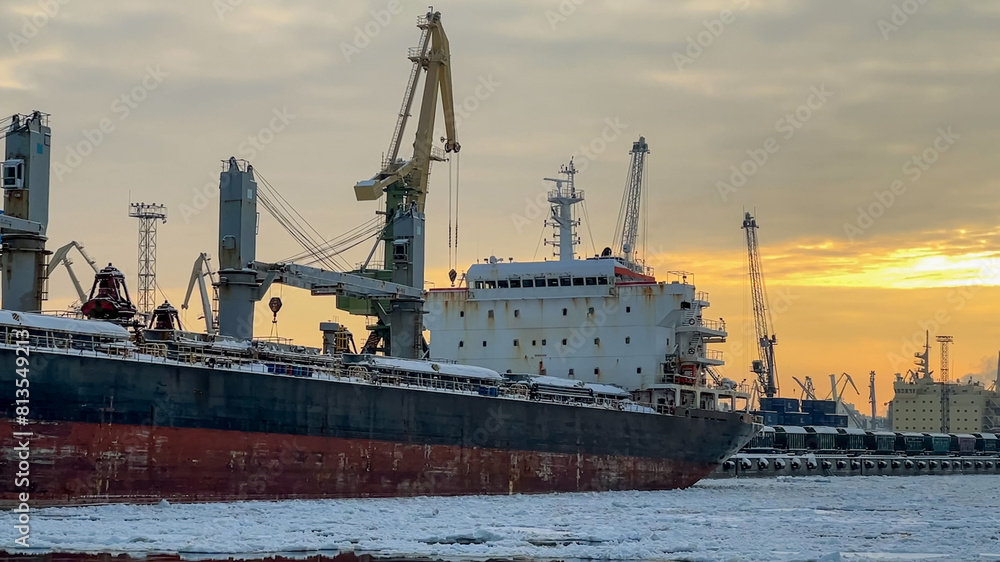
(592, 320)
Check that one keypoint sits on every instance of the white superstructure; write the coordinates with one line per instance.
(594, 320)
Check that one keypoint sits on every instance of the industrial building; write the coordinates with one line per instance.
(923, 404)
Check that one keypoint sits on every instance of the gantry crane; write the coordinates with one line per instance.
(628, 215)
(404, 182)
(764, 367)
(202, 269)
(61, 257)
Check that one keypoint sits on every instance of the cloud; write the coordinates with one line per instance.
(559, 84)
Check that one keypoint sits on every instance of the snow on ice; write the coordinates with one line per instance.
(821, 519)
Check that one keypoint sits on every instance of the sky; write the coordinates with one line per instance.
(862, 135)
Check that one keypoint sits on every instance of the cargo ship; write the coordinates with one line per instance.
(125, 405)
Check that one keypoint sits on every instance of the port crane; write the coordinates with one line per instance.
(61, 257)
(840, 382)
(202, 269)
(404, 182)
(808, 389)
(838, 396)
(763, 367)
(628, 215)
(871, 396)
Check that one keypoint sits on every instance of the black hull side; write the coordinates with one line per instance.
(77, 395)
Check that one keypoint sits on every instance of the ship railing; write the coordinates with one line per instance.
(62, 341)
(717, 325)
(154, 352)
(715, 354)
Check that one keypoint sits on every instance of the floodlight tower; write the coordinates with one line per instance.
(945, 342)
(148, 216)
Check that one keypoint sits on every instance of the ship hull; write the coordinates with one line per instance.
(116, 430)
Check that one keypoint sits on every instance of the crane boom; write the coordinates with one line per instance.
(628, 215)
(807, 388)
(61, 256)
(201, 269)
(766, 340)
(409, 179)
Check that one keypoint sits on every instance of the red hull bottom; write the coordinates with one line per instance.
(79, 463)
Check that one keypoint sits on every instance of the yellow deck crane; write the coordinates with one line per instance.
(405, 182)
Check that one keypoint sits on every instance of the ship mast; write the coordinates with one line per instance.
(764, 367)
(562, 198)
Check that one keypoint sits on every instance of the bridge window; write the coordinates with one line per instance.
(503, 284)
(528, 283)
(578, 281)
(564, 281)
(591, 281)
(602, 280)
(515, 283)
(553, 282)
(479, 284)
(491, 284)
